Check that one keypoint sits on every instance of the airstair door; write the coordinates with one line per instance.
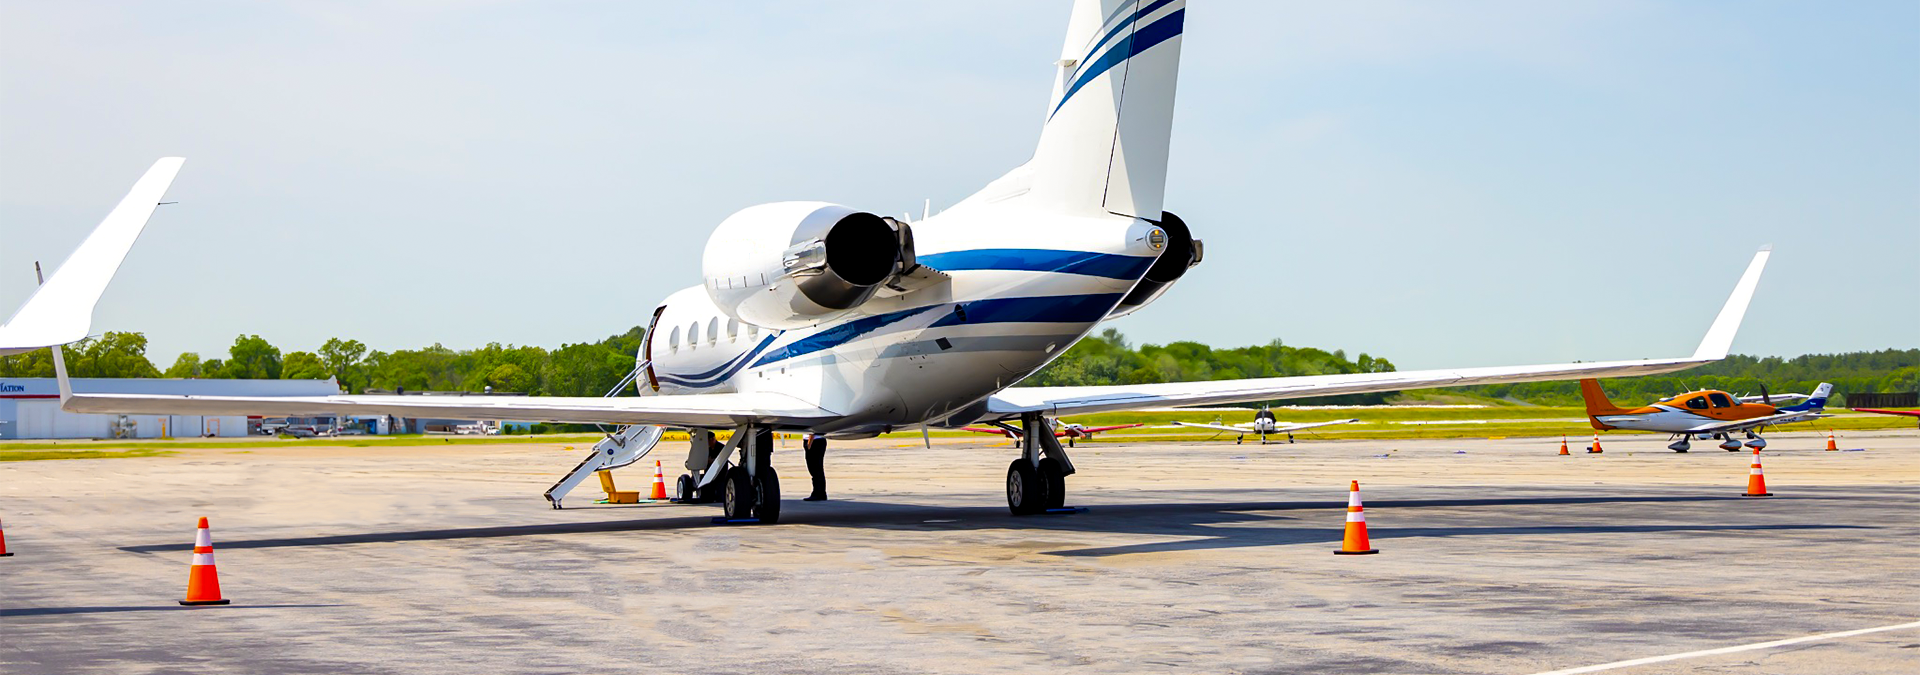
(624, 446)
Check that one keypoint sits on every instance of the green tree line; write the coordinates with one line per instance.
(1108, 359)
(591, 368)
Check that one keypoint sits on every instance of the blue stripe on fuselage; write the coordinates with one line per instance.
(719, 373)
(1049, 309)
(1041, 260)
(1045, 309)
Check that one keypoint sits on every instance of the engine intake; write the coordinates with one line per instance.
(795, 264)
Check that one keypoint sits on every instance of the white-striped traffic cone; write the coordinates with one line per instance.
(1756, 479)
(1355, 541)
(659, 483)
(203, 579)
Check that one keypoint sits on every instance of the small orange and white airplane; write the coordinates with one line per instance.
(1704, 414)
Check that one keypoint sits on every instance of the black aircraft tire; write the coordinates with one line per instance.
(767, 509)
(1025, 493)
(1054, 479)
(739, 498)
(684, 490)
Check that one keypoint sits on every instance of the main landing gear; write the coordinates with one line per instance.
(1037, 481)
(748, 492)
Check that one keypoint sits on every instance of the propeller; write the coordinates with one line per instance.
(1764, 396)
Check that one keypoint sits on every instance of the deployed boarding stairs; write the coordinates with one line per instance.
(623, 446)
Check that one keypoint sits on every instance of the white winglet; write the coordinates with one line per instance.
(1719, 338)
(61, 310)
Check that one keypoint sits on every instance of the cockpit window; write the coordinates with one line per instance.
(1720, 400)
(1697, 403)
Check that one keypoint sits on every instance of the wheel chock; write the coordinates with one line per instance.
(1064, 510)
(723, 520)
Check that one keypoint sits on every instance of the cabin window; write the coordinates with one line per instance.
(733, 330)
(673, 341)
(1720, 400)
(752, 331)
(1697, 403)
(713, 330)
(693, 335)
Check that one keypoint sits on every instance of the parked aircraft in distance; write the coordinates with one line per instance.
(833, 320)
(1704, 414)
(1061, 429)
(1263, 425)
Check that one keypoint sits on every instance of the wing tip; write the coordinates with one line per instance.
(1719, 338)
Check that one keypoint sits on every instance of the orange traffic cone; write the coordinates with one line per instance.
(3, 543)
(203, 580)
(659, 483)
(1756, 479)
(1596, 445)
(1355, 542)
(1563, 446)
(1830, 445)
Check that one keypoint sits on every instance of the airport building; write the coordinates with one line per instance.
(30, 407)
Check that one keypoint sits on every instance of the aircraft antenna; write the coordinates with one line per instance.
(926, 209)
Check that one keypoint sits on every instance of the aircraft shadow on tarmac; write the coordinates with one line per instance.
(1179, 519)
(52, 611)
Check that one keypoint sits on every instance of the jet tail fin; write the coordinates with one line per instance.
(1816, 402)
(1104, 146)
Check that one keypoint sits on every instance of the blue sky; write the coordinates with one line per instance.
(1474, 183)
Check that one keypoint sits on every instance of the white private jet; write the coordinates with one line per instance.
(1263, 425)
(828, 319)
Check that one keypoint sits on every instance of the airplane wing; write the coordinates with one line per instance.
(1910, 413)
(1092, 399)
(1095, 430)
(691, 410)
(61, 310)
(1743, 425)
(1309, 425)
(1220, 427)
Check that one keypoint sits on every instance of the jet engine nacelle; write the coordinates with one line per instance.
(1182, 253)
(795, 264)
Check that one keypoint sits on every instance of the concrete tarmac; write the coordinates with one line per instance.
(1498, 556)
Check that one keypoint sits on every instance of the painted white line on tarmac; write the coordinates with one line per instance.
(1729, 650)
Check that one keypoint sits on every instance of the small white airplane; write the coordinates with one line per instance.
(827, 319)
(1263, 425)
